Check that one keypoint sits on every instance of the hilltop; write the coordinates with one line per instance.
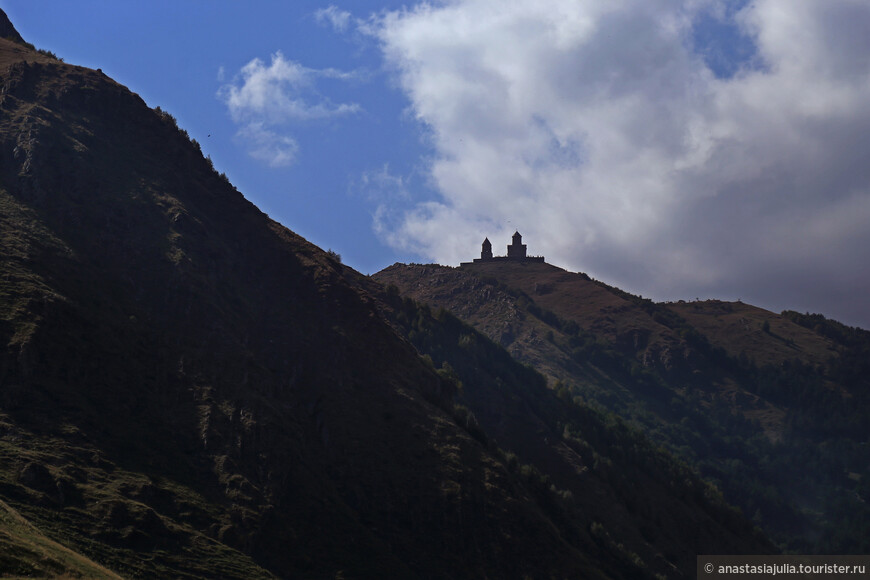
(769, 407)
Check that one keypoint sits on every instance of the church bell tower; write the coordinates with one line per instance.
(517, 249)
(486, 250)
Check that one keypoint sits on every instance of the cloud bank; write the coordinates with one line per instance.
(631, 140)
(265, 99)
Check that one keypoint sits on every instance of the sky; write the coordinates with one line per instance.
(677, 149)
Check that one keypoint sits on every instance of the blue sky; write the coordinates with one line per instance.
(675, 148)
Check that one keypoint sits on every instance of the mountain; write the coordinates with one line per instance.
(771, 408)
(593, 472)
(188, 389)
(7, 30)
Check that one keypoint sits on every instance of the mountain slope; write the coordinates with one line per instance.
(607, 484)
(188, 389)
(26, 552)
(769, 407)
(7, 30)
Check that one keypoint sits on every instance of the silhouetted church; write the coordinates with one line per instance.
(516, 251)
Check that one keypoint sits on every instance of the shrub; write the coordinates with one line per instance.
(49, 54)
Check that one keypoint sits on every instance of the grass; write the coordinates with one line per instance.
(25, 552)
(145, 526)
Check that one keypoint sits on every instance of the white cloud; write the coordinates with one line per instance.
(337, 18)
(598, 131)
(263, 99)
(267, 146)
(281, 92)
(382, 185)
(389, 194)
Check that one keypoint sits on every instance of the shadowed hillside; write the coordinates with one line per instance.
(604, 481)
(185, 379)
(771, 408)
